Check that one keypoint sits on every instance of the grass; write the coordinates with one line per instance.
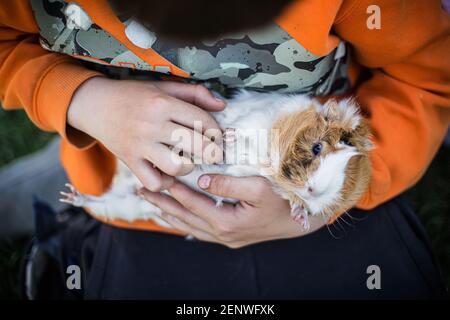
(18, 137)
(430, 198)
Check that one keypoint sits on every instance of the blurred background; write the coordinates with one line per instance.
(26, 151)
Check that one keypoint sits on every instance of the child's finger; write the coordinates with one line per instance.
(174, 208)
(151, 177)
(181, 226)
(192, 143)
(168, 161)
(192, 117)
(249, 189)
(200, 204)
(192, 93)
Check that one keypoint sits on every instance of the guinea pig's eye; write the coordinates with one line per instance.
(345, 139)
(316, 148)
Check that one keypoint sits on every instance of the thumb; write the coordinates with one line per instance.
(195, 94)
(250, 189)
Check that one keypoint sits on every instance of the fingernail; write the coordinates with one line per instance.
(219, 100)
(204, 182)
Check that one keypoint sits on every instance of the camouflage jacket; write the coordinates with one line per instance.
(266, 59)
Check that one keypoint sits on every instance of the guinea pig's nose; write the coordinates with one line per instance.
(314, 192)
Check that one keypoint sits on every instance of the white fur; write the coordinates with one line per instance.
(248, 110)
(347, 111)
(327, 180)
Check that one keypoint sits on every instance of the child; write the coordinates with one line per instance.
(65, 80)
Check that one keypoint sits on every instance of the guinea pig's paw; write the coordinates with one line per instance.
(300, 215)
(73, 197)
(219, 202)
(296, 209)
(306, 225)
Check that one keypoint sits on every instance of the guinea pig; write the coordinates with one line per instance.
(323, 165)
(315, 156)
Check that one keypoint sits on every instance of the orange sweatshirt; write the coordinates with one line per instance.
(407, 97)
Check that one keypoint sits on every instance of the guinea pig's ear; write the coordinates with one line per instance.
(362, 137)
(368, 145)
(344, 113)
(329, 110)
(367, 139)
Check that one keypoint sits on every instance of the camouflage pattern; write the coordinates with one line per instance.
(267, 59)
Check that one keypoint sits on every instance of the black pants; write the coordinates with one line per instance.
(330, 263)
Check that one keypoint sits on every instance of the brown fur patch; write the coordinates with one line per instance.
(299, 132)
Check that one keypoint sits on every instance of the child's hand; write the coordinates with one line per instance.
(261, 214)
(135, 120)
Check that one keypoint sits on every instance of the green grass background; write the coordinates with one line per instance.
(431, 198)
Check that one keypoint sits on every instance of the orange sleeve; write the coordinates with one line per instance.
(32, 78)
(407, 97)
